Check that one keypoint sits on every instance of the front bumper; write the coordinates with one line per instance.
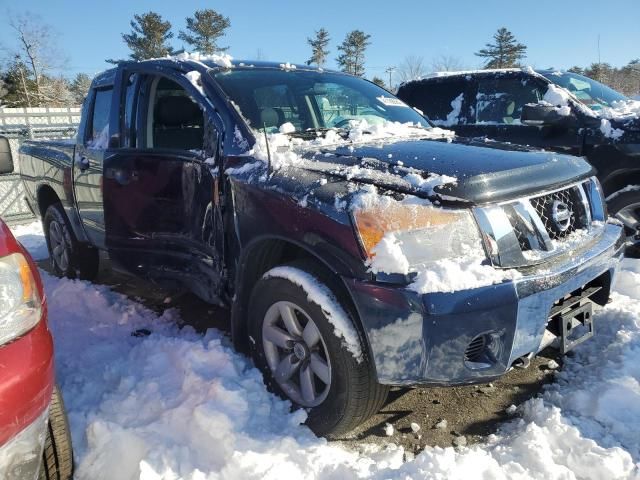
(422, 339)
(21, 457)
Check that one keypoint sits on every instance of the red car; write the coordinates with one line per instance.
(34, 434)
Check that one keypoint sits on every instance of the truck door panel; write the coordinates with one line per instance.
(159, 196)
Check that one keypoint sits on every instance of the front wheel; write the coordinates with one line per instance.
(625, 206)
(305, 342)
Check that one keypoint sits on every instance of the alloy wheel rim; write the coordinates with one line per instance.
(59, 245)
(630, 218)
(296, 354)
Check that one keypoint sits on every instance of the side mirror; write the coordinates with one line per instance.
(6, 159)
(546, 115)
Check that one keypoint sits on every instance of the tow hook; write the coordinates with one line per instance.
(523, 362)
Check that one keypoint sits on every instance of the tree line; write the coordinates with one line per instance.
(28, 78)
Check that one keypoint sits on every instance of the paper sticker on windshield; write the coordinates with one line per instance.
(392, 102)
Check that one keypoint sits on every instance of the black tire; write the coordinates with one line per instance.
(78, 260)
(628, 201)
(57, 456)
(353, 393)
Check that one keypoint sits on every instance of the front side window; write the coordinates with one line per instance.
(175, 119)
(98, 138)
(310, 100)
(500, 100)
(593, 94)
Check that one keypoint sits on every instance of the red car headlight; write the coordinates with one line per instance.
(20, 300)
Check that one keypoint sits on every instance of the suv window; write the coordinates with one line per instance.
(98, 137)
(500, 100)
(175, 120)
(440, 100)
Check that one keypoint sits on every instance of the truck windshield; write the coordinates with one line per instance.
(310, 100)
(593, 94)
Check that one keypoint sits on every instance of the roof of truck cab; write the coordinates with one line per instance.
(270, 65)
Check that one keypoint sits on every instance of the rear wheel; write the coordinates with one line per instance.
(625, 206)
(57, 457)
(295, 344)
(69, 258)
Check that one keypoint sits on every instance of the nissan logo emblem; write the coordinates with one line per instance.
(561, 215)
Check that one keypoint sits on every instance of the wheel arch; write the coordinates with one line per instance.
(619, 180)
(47, 196)
(262, 254)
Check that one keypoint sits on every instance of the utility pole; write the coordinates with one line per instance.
(390, 71)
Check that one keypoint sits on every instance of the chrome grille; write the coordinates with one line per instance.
(530, 230)
(544, 208)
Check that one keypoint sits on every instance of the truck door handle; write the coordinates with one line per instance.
(83, 163)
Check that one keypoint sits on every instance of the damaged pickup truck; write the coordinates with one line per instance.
(357, 246)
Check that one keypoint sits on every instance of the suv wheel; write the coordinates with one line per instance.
(68, 257)
(625, 206)
(57, 457)
(295, 345)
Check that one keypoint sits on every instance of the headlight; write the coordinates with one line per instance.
(20, 302)
(400, 236)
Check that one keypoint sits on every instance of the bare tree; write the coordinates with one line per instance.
(37, 51)
(411, 68)
(446, 63)
(33, 58)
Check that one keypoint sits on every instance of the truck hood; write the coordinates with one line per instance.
(484, 171)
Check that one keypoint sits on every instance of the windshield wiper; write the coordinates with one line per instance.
(312, 133)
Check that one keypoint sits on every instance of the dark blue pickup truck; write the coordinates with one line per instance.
(357, 246)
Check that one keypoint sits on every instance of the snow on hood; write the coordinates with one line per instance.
(181, 405)
(285, 150)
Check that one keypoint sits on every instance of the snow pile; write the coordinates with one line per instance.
(284, 149)
(609, 131)
(558, 97)
(460, 273)
(453, 116)
(220, 59)
(428, 184)
(623, 110)
(620, 112)
(178, 405)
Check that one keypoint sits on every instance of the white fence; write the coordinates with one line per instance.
(34, 122)
(22, 123)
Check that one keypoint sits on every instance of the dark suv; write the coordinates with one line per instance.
(554, 110)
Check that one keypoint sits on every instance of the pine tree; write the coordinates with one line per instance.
(149, 36)
(319, 50)
(21, 89)
(353, 47)
(80, 87)
(505, 52)
(204, 29)
(378, 81)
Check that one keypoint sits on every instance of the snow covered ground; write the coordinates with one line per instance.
(176, 404)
